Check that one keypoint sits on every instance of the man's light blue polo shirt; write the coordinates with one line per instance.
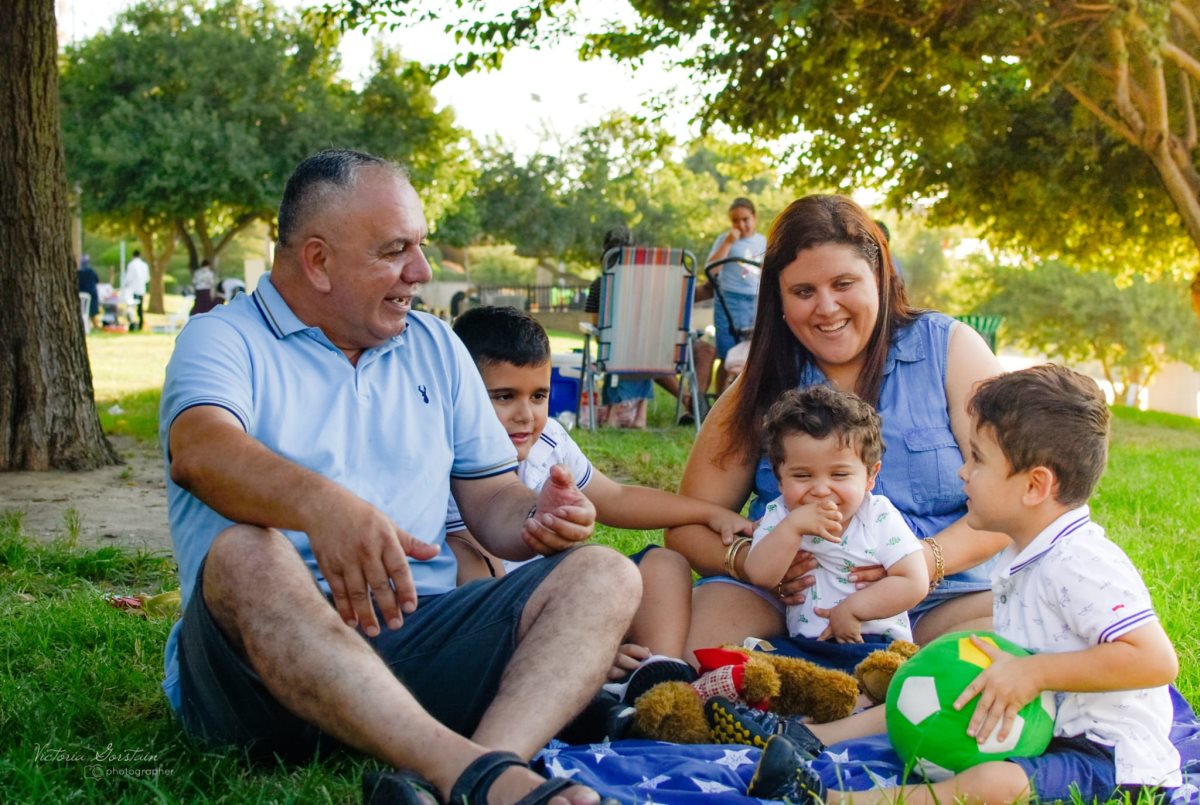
(392, 429)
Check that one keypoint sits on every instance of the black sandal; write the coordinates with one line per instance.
(402, 787)
(473, 784)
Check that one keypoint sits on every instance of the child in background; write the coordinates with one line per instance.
(1038, 447)
(512, 352)
(825, 447)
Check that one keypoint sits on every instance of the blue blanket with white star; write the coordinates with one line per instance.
(665, 773)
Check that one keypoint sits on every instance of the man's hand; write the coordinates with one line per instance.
(361, 553)
(844, 626)
(563, 516)
(1003, 689)
(817, 519)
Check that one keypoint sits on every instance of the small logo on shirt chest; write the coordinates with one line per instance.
(424, 394)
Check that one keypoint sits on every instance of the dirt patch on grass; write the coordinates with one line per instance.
(124, 505)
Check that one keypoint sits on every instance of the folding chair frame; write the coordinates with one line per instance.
(629, 260)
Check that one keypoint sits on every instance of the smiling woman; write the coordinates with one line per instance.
(831, 311)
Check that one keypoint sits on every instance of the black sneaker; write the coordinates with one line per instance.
(733, 723)
(783, 773)
(605, 718)
(653, 670)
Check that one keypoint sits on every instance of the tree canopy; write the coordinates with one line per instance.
(186, 119)
(1061, 128)
(1130, 330)
(620, 171)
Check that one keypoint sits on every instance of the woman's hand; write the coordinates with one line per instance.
(862, 576)
(796, 580)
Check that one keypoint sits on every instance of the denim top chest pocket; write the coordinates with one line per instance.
(923, 467)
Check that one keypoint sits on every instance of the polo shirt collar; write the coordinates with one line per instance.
(282, 322)
(1043, 543)
(275, 311)
(907, 346)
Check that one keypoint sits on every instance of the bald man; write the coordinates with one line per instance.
(313, 432)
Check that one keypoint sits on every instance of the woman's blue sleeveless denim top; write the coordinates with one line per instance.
(921, 457)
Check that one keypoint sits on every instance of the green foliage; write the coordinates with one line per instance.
(1061, 130)
(501, 265)
(1131, 329)
(188, 117)
(623, 170)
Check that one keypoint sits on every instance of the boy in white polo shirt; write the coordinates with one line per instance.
(1038, 447)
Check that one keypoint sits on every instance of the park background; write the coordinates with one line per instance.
(1006, 192)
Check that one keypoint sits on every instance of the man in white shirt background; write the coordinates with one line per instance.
(133, 286)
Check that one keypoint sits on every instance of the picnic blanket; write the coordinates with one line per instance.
(637, 771)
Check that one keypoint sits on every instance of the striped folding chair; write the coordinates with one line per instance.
(644, 322)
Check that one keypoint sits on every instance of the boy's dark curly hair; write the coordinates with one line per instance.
(820, 411)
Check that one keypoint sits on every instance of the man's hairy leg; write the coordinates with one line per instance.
(568, 636)
(263, 598)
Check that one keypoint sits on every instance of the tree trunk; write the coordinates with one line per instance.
(47, 411)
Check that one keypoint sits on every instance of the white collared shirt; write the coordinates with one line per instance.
(1071, 589)
(875, 535)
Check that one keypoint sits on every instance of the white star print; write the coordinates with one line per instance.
(652, 782)
(711, 786)
(734, 759)
(602, 750)
(555, 767)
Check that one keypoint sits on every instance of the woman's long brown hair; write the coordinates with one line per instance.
(776, 355)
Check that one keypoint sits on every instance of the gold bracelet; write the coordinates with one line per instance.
(939, 564)
(731, 557)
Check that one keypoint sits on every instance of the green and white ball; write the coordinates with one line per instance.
(930, 735)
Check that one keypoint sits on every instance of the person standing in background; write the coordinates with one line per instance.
(738, 282)
(133, 286)
(89, 283)
(203, 280)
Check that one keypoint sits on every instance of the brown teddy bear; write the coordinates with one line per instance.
(788, 686)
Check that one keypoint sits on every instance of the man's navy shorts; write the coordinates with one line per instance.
(450, 653)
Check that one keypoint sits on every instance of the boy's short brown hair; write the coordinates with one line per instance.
(820, 411)
(1048, 416)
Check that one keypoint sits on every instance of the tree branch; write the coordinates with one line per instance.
(1158, 109)
(1181, 58)
(239, 224)
(1189, 113)
(1125, 107)
(1108, 120)
(1185, 15)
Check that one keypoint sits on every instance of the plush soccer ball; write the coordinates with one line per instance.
(930, 735)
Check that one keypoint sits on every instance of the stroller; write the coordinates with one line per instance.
(735, 359)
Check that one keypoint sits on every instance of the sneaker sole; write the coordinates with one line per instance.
(727, 728)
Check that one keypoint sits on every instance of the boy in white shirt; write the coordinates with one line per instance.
(825, 448)
(1062, 590)
(512, 352)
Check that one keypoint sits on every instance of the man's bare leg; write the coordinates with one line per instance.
(345, 690)
(568, 635)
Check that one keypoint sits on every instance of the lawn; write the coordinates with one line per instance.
(82, 717)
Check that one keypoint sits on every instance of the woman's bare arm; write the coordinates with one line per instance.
(726, 484)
